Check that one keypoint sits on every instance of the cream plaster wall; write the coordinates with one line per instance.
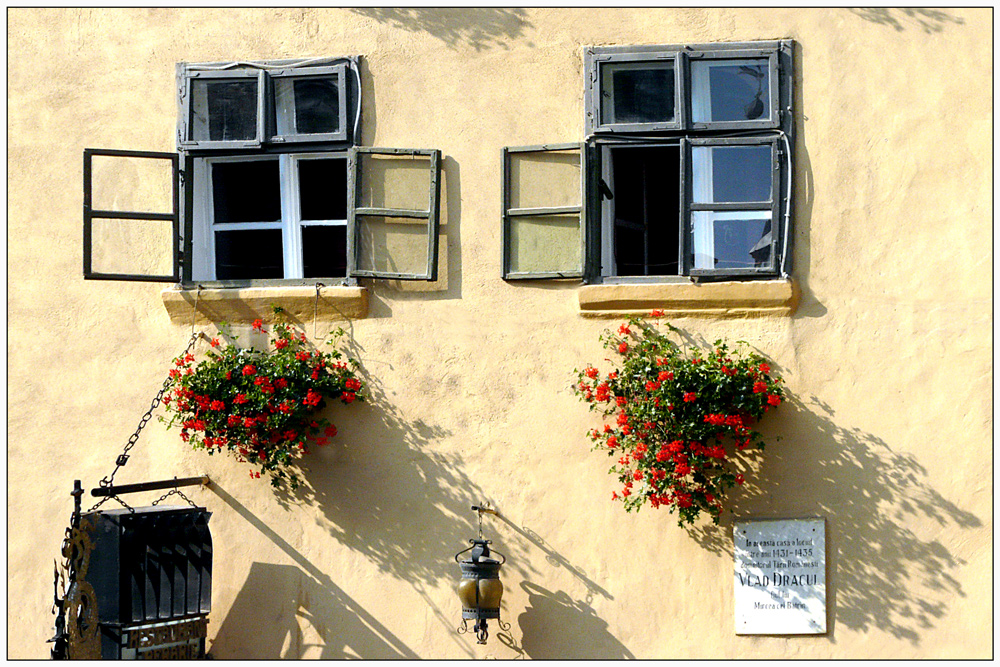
(888, 356)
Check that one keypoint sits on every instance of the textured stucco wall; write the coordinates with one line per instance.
(888, 356)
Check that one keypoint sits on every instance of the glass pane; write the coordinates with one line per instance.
(545, 179)
(223, 110)
(323, 189)
(324, 251)
(138, 185)
(246, 191)
(137, 247)
(392, 245)
(317, 105)
(731, 239)
(394, 181)
(731, 173)
(730, 90)
(637, 92)
(544, 244)
(255, 253)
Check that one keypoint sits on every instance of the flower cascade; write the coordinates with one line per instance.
(261, 405)
(679, 416)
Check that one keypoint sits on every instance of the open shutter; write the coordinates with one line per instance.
(543, 213)
(731, 206)
(393, 209)
(131, 221)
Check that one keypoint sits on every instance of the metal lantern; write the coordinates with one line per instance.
(480, 588)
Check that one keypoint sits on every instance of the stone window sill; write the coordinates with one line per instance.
(757, 298)
(244, 305)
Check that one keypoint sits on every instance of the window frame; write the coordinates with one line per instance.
(509, 213)
(185, 125)
(722, 55)
(203, 225)
(689, 206)
(90, 214)
(777, 129)
(340, 70)
(431, 215)
(594, 89)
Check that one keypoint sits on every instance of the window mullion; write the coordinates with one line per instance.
(291, 225)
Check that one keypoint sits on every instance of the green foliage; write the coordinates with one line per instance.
(261, 405)
(679, 416)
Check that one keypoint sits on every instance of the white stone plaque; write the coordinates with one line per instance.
(780, 583)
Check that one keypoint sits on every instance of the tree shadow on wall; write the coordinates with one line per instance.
(555, 626)
(880, 572)
(479, 27)
(930, 20)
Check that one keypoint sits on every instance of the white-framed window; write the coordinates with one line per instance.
(268, 185)
(684, 173)
(291, 224)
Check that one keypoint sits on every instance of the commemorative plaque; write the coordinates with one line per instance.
(780, 582)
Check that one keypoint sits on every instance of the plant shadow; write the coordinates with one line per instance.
(897, 18)
(479, 27)
(880, 572)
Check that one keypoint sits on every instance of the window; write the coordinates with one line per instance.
(268, 185)
(684, 173)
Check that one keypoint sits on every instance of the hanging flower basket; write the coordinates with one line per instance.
(261, 405)
(680, 417)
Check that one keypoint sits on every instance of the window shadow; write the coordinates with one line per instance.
(881, 573)
(898, 18)
(481, 28)
(298, 595)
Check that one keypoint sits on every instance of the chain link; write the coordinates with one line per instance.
(124, 456)
(173, 492)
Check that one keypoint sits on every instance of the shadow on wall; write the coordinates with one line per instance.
(880, 573)
(481, 28)
(313, 616)
(931, 20)
(555, 626)
(396, 500)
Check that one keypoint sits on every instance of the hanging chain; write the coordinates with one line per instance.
(124, 456)
(174, 492)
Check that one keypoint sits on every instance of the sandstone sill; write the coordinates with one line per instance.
(763, 298)
(244, 305)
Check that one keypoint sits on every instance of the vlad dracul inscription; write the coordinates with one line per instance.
(780, 583)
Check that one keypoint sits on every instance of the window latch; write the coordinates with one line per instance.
(605, 190)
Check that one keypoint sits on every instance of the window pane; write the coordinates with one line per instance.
(308, 105)
(637, 92)
(731, 173)
(131, 184)
(730, 90)
(317, 105)
(137, 247)
(253, 253)
(223, 110)
(545, 179)
(395, 181)
(246, 191)
(324, 251)
(392, 245)
(544, 244)
(323, 189)
(731, 239)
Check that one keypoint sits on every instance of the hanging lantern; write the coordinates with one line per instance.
(480, 588)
